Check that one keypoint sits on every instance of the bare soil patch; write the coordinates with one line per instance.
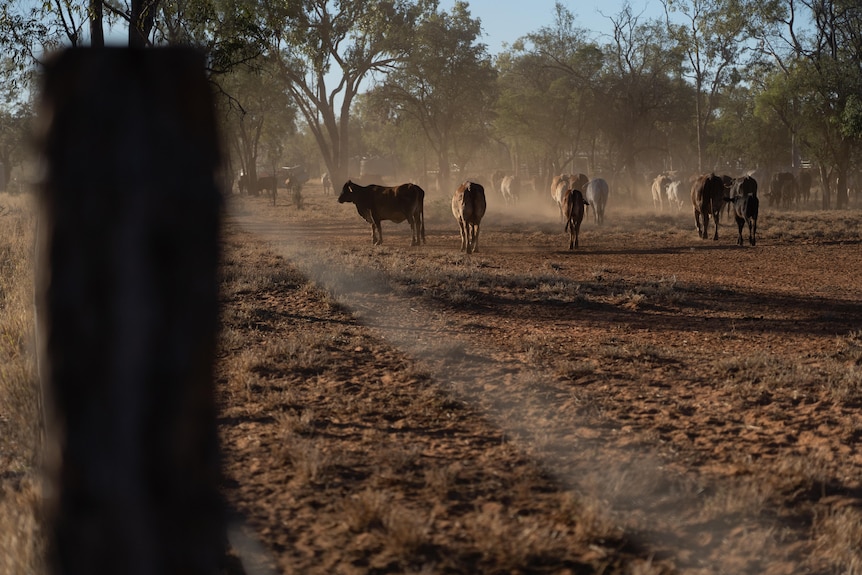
(649, 403)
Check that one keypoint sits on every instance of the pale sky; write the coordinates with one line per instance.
(504, 21)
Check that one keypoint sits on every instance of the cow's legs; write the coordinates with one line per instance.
(740, 222)
(715, 221)
(752, 231)
(462, 230)
(476, 238)
(700, 233)
(376, 233)
(414, 231)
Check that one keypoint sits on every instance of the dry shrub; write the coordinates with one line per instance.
(20, 407)
(837, 537)
(366, 510)
(310, 463)
(304, 351)
(736, 497)
(511, 543)
(291, 424)
(21, 539)
(631, 300)
(406, 530)
(850, 348)
(441, 479)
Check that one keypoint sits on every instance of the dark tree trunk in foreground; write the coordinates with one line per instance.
(127, 310)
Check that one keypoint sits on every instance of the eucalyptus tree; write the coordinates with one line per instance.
(257, 118)
(713, 36)
(750, 132)
(546, 104)
(817, 48)
(446, 86)
(326, 52)
(29, 33)
(643, 99)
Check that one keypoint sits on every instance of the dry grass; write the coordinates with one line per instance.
(406, 464)
(21, 538)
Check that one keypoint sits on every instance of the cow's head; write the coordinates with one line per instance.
(346, 193)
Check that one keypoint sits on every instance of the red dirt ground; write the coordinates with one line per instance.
(651, 403)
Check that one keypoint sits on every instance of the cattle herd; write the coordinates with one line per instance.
(572, 193)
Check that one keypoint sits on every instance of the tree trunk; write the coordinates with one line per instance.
(97, 32)
(824, 186)
(142, 17)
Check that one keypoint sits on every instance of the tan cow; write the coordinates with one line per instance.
(563, 183)
(468, 207)
(559, 185)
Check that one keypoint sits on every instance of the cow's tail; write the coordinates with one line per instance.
(421, 222)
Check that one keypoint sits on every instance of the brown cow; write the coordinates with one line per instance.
(579, 181)
(573, 205)
(468, 207)
(707, 197)
(396, 203)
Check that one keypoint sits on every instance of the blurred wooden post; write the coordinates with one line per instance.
(127, 302)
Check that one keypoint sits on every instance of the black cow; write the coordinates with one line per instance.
(262, 183)
(707, 197)
(573, 207)
(268, 184)
(395, 203)
(745, 206)
(783, 189)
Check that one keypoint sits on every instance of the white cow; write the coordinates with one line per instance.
(510, 188)
(597, 197)
(673, 196)
(659, 191)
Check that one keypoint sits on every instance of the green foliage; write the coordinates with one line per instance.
(851, 117)
(545, 98)
(445, 86)
(326, 51)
